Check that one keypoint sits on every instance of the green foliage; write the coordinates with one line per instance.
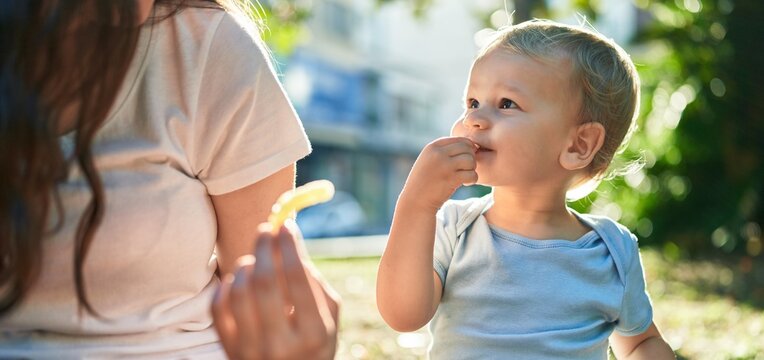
(700, 130)
(282, 24)
(418, 7)
(701, 126)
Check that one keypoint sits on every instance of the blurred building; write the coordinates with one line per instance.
(373, 85)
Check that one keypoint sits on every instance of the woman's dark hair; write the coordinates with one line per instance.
(61, 62)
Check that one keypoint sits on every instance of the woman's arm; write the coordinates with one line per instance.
(647, 345)
(408, 289)
(240, 212)
(264, 273)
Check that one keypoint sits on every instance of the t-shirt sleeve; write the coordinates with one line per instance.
(445, 241)
(636, 309)
(246, 128)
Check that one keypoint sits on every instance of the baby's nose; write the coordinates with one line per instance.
(476, 120)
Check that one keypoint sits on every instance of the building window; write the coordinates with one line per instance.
(410, 114)
(337, 20)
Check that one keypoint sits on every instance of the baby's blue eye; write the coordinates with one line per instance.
(473, 104)
(507, 104)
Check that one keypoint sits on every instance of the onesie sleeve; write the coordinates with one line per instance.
(636, 310)
(445, 240)
(246, 129)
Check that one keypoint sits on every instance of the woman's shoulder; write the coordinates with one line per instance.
(208, 44)
(199, 25)
(193, 16)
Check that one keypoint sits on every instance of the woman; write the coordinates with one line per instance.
(141, 144)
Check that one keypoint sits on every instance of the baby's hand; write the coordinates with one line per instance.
(442, 166)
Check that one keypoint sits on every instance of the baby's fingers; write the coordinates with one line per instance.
(454, 146)
(464, 162)
(467, 177)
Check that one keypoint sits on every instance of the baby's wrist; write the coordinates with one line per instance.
(416, 203)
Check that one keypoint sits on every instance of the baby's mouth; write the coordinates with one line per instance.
(481, 149)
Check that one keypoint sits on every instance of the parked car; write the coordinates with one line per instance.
(341, 216)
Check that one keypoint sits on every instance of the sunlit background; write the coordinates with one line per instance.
(375, 80)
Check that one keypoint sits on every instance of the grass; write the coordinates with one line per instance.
(705, 309)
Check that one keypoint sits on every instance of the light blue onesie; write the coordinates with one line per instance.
(510, 297)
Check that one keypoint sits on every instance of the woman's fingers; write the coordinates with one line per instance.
(332, 300)
(269, 298)
(283, 282)
(311, 271)
(225, 323)
(316, 319)
(243, 308)
(248, 307)
(303, 298)
(327, 300)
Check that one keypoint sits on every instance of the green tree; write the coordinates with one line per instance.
(701, 128)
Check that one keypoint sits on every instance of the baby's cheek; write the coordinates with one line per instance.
(457, 129)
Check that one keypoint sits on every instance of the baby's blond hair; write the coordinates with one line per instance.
(607, 77)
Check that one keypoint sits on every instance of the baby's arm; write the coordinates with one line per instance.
(408, 289)
(647, 345)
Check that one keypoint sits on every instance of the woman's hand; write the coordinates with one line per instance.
(276, 306)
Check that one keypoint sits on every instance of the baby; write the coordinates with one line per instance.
(518, 274)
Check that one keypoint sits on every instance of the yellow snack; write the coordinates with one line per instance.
(312, 193)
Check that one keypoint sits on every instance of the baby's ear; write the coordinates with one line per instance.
(584, 142)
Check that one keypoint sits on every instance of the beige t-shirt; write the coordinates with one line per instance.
(200, 113)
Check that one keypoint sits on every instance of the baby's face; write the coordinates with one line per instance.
(521, 112)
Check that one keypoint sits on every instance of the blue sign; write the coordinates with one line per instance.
(331, 94)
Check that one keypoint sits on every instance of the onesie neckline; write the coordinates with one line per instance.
(581, 242)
